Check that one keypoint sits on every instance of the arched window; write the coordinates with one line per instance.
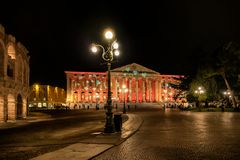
(11, 60)
(11, 52)
(10, 67)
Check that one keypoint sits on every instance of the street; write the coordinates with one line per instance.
(61, 129)
(186, 135)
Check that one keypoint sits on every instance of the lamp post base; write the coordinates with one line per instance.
(124, 108)
(109, 126)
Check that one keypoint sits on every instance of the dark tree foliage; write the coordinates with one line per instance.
(217, 72)
(182, 87)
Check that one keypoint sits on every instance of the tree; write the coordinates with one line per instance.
(227, 65)
(182, 87)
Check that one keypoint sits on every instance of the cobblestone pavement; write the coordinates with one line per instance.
(93, 146)
(181, 135)
(44, 133)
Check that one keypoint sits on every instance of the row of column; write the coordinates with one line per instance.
(86, 93)
(138, 89)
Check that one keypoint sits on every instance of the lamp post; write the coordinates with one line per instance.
(107, 55)
(199, 91)
(124, 90)
(227, 95)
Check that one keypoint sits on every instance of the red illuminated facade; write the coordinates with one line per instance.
(143, 85)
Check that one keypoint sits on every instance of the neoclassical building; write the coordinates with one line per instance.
(46, 96)
(14, 78)
(142, 85)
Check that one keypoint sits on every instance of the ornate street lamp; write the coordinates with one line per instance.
(107, 56)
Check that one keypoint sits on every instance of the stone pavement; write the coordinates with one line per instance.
(92, 147)
(36, 117)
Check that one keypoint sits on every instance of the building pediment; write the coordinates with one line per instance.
(135, 69)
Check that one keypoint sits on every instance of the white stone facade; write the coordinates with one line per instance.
(14, 78)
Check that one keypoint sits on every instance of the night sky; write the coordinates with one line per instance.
(166, 36)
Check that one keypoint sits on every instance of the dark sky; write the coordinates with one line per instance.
(166, 36)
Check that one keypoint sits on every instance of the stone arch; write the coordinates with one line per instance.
(2, 59)
(11, 60)
(19, 106)
(11, 51)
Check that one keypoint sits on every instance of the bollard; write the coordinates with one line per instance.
(118, 122)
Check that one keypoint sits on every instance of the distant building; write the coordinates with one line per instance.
(14, 78)
(46, 96)
(143, 85)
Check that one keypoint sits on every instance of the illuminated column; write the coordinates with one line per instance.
(143, 90)
(24, 109)
(122, 83)
(11, 107)
(160, 90)
(68, 88)
(136, 90)
(156, 91)
(116, 91)
(86, 91)
(1, 108)
(150, 90)
(101, 89)
(125, 95)
(130, 89)
(71, 94)
(172, 91)
(80, 94)
(147, 90)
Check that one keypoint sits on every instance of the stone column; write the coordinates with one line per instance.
(71, 91)
(11, 107)
(143, 90)
(150, 90)
(147, 90)
(101, 89)
(130, 90)
(115, 89)
(24, 109)
(68, 88)
(160, 90)
(1, 108)
(137, 90)
(156, 91)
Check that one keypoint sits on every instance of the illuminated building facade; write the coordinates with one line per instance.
(143, 86)
(46, 96)
(14, 78)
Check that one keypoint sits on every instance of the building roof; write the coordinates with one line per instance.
(134, 67)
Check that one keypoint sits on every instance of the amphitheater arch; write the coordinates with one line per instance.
(19, 106)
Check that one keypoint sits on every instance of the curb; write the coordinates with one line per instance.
(122, 140)
(90, 148)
